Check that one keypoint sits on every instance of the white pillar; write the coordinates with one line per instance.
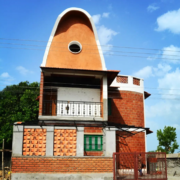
(105, 96)
(80, 141)
(50, 141)
(110, 141)
(17, 144)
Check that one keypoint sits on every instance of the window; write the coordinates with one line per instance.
(93, 142)
(75, 47)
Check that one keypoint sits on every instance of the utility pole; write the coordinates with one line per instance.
(3, 160)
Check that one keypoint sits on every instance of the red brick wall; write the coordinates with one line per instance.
(127, 108)
(94, 130)
(122, 79)
(135, 143)
(61, 165)
(41, 94)
(93, 153)
(136, 81)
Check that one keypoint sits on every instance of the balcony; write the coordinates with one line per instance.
(72, 108)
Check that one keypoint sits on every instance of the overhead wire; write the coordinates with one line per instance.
(144, 57)
(88, 44)
(88, 49)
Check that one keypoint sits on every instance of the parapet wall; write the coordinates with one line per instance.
(129, 83)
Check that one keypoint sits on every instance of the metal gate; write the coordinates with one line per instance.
(129, 166)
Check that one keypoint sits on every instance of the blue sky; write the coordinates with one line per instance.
(123, 27)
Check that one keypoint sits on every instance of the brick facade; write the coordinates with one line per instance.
(136, 81)
(127, 108)
(62, 165)
(122, 79)
(93, 130)
(135, 143)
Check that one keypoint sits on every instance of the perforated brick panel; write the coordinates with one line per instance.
(34, 142)
(64, 142)
(136, 81)
(122, 79)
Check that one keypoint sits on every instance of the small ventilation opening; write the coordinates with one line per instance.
(75, 47)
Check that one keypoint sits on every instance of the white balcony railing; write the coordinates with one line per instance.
(72, 108)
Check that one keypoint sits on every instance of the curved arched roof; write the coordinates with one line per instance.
(55, 29)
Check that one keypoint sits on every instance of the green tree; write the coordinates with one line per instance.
(167, 140)
(17, 103)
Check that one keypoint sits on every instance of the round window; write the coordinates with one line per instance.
(75, 47)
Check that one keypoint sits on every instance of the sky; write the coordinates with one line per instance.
(139, 38)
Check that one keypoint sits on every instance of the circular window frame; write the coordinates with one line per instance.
(76, 43)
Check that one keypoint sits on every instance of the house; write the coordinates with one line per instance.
(86, 112)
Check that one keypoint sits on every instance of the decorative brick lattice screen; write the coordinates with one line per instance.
(136, 81)
(122, 79)
(64, 142)
(34, 142)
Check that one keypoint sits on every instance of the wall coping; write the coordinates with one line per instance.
(64, 157)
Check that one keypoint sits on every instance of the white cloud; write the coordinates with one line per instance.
(105, 15)
(6, 79)
(177, 126)
(152, 8)
(161, 69)
(171, 81)
(149, 71)
(144, 72)
(168, 105)
(171, 54)
(154, 57)
(96, 18)
(23, 70)
(105, 34)
(169, 21)
(5, 75)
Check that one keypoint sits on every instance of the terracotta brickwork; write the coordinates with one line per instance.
(34, 142)
(136, 81)
(93, 153)
(65, 142)
(135, 143)
(41, 94)
(122, 79)
(93, 130)
(62, 165)
(127, 108)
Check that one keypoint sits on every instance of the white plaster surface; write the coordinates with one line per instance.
(80, 142)
(110, 141)
(129, 86)
(78, 94)
(17, 144)
(86, 101)
(49, 140)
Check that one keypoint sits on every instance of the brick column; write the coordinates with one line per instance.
(41, 94)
